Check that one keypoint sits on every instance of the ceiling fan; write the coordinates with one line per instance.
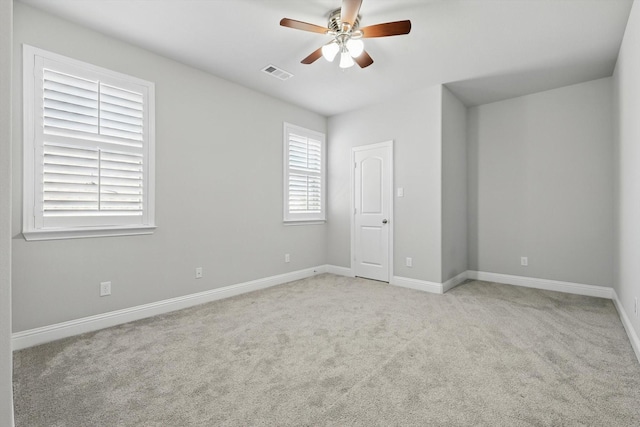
(344, 27)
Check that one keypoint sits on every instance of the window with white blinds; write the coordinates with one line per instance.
(304, 176)
(89, 147)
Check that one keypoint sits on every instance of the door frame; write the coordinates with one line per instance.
(386, 144)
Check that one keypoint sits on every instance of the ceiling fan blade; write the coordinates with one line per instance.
(304, 26)
(350, 10)
(364, 60)
(315, 55)
(396, 28)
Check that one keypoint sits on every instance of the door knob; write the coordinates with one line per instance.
(384, 221)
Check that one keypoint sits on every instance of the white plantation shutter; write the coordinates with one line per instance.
(70, 104)
(304, 174)
(121, 113)
(88, 147)
(121, 183)
(70, 180)
(90, 182)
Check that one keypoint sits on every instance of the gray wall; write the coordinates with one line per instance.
(541, 185)
(626, 81)
(454, 186)
(218, 191)
(413, 121)
(6, 358)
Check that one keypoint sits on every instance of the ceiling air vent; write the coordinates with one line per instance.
(277, 72)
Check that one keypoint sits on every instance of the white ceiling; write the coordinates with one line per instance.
(484, 50)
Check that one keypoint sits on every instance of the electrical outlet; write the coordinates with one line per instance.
(409, 262)
(105, 289)
(287, 258)
(198, 272)
(400, 191)
(524, 261)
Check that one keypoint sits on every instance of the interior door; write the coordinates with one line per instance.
(372, 187)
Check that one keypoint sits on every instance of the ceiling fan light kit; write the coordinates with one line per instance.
(329, 51)
(343, 26)
(346, 60)
(355, 47)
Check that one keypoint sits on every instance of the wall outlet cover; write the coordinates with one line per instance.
(105, 289)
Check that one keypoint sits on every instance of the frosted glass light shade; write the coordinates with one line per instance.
(355, 47)
(329, 51)
(346, 60)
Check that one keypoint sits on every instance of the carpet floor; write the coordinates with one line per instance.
(338, 351)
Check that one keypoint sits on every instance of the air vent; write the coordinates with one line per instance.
(277, 72)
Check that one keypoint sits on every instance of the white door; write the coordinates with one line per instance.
(372, 190)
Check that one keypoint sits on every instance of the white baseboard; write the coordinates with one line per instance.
(36, 336)
(631, 333)
(420, 285)
(454, 281)
(549, 285)
(338, 271)
(568, 287)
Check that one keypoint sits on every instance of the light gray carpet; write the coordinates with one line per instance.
(331, 350)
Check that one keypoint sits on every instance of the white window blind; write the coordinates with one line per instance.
(88, 149)
(304, 174)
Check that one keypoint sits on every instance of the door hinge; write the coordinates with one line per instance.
(355, 165)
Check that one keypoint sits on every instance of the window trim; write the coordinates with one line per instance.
(30, 228)
(303, 218)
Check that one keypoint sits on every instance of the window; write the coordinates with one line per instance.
(88, 150)
(304, 180)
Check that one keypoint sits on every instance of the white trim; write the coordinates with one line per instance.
(338, 271)
(310, 222)
(386, 144)
(81, 233)
(546, 284)
(420, 285)
(454, 281)
(36, 336)
(567, 287)
(628, 327)
(28, 135)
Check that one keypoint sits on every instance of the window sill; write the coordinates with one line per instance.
(306, 222)
(81, 233)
